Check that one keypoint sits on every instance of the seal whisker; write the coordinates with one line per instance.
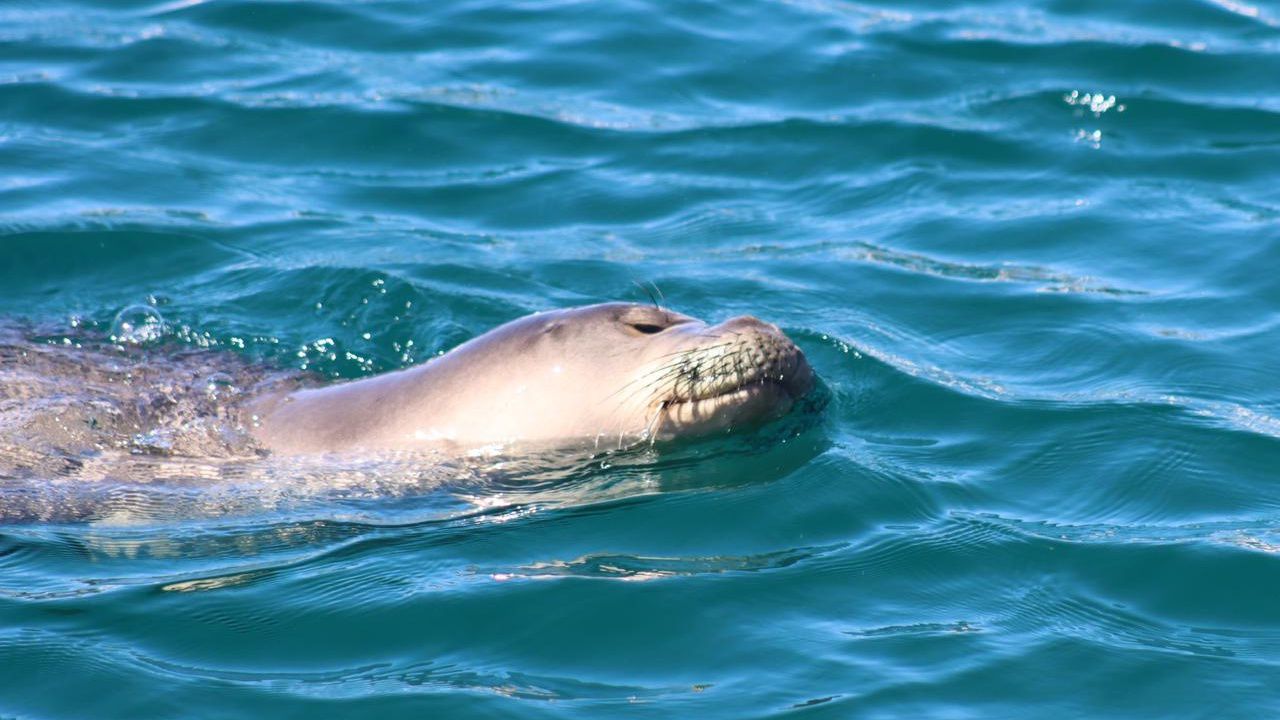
(654, 384)
(653, 388)
(656, 425)
(649, 377)
(680, 355)
(702, 349)
(673, 368)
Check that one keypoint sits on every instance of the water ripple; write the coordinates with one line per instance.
(1027, 248)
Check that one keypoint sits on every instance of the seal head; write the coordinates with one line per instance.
(602, 375)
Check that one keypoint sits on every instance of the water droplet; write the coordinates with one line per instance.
(138, 325)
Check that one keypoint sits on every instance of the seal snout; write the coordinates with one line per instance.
(742, 353)
(778, 358)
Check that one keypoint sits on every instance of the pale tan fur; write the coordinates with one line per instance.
(603, 375)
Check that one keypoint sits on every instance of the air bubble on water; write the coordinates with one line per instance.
(153, 442)
(138, 325)
(218, 386)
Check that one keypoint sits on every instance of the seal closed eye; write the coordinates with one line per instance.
(668, 376)
(649, 320)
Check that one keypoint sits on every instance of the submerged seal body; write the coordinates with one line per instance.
(602, 375)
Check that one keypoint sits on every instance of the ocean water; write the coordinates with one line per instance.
(1032, 249)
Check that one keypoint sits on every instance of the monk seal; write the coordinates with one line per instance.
(606, 375)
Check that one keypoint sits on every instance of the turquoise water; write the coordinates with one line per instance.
(1031, 249)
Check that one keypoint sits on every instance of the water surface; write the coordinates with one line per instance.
(1030, 248)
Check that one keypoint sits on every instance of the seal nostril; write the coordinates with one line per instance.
(745, 323)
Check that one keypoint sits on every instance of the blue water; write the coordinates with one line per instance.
(1030, 248)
